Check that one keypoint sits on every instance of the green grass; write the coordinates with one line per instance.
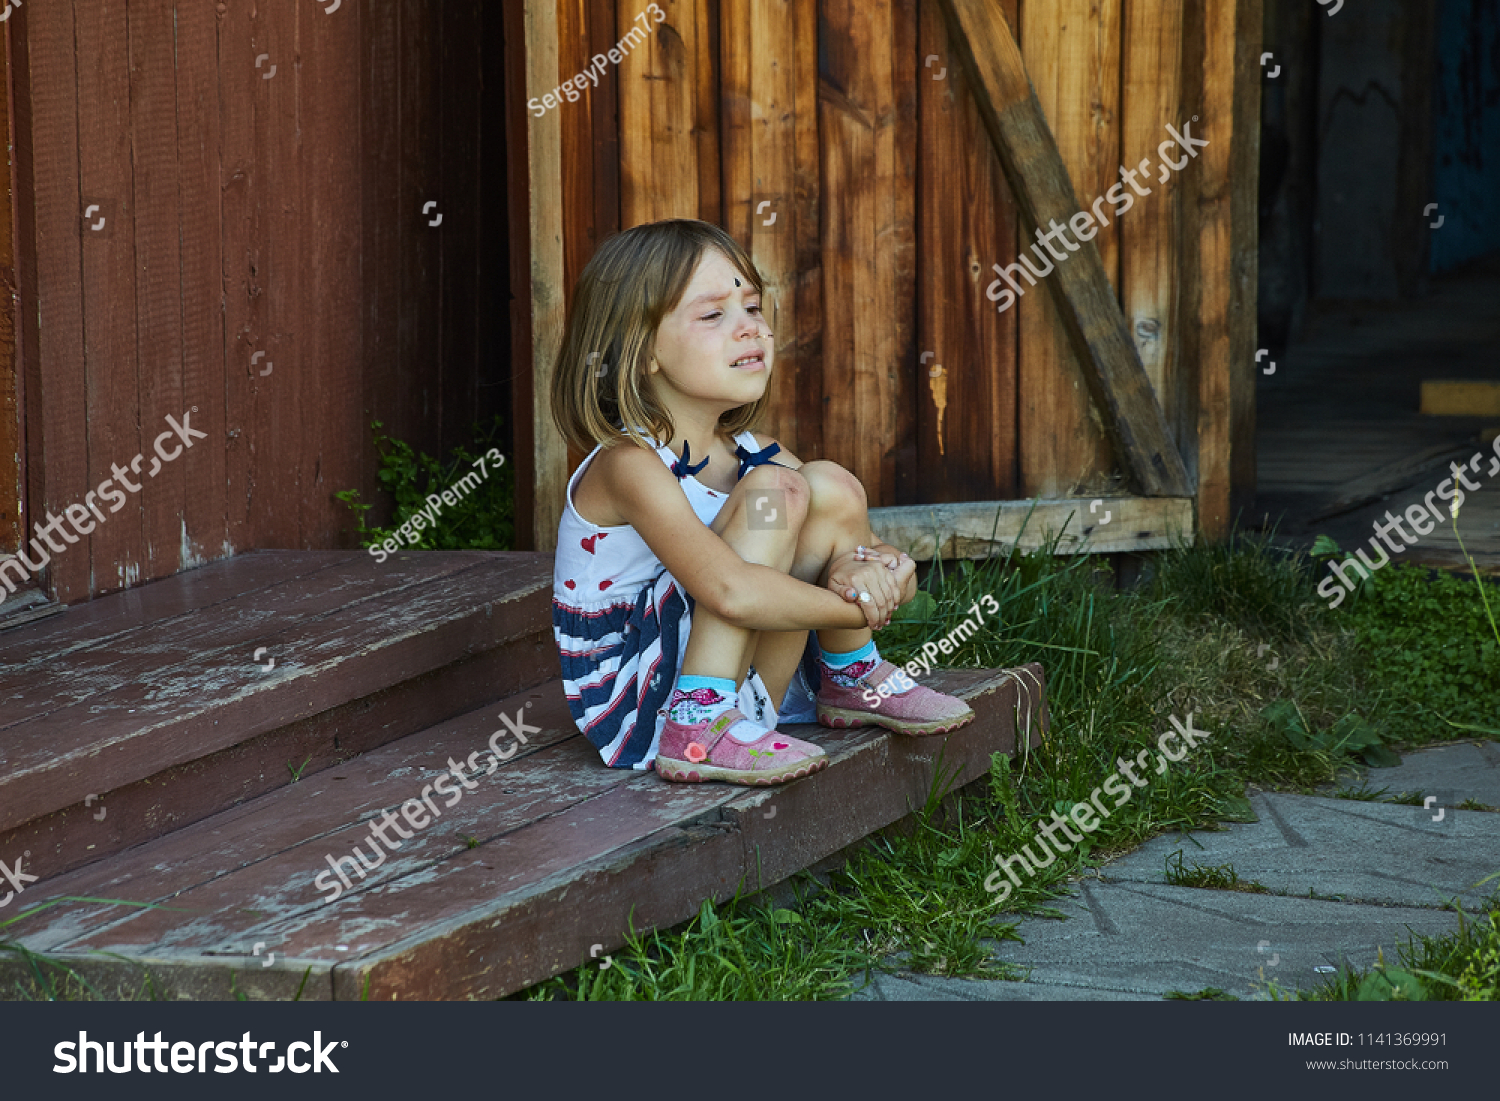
(1428, 642)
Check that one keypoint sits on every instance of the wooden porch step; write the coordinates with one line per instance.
(140, 712)
(549, 856)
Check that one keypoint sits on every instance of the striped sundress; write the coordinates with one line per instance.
(622, 622)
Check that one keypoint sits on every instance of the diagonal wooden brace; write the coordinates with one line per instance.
(1112, 370)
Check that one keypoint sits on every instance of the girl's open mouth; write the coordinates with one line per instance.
(750, 362)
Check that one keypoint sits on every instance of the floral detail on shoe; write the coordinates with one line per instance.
(850, 674)
(696, 752)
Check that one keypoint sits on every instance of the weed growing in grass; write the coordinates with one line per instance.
(481, 520)
(1218, 877)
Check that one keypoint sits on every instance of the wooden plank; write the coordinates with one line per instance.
(154, 174)
(112, 359)
(1213, 225)
(331, 182)
(285, 416)
(101, 622)
(390, 395)
(659, 112)
(760, 119)
(981, 529)
(420, 256)
(246, 326)
(205, 528)
(457, 102)
(1074, 48)
(1111, 368)
(966, 387)
(1457, 398)
(1388, 478)
(1244, 245)
(12, 439)
(866, 123)
(800, 341)
(1150, 76)
(547, 452)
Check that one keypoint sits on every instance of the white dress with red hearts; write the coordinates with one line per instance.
(622, 622)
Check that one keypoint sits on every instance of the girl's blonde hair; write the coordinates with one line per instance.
(634, 280)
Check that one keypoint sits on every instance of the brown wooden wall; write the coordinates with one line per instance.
(855, 123)
(250, 211)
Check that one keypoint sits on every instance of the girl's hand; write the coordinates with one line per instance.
(873, 580)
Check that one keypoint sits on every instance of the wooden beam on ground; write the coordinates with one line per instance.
(979, 529)
(1445, 398)
(1112, 370)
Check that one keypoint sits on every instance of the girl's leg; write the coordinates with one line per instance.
(719, 649)
(837, 521)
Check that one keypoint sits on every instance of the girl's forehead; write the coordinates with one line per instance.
(715, 276)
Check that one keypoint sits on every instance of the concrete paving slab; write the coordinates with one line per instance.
(1126, 938)
(1454, 773)
(998, 990)
(1380, 853)
(1377, 873)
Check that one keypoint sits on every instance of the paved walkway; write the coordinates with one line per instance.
(1346, 876)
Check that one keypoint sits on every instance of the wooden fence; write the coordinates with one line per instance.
(841, 142)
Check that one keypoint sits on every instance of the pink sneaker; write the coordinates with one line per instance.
(918, 710)
(705, 751)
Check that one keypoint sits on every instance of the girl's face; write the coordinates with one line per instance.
(714, 347)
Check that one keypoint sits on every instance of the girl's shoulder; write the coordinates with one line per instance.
(616, 459)
(783, 456)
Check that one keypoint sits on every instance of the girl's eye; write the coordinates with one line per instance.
(753, 309)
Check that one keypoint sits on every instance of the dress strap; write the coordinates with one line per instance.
(684, 466)
(753, 458)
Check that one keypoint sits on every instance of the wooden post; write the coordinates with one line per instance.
(1112, 369)
(549, 458)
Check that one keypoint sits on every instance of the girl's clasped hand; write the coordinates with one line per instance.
(875, 580)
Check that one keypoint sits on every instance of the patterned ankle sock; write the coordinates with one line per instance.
(698, 699)
(846, 668)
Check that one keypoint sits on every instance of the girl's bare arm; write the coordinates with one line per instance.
(649, 498)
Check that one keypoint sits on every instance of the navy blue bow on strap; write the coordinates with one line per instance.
(755, 458)
(684, 466)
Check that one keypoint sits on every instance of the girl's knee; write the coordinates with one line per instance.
(833, 488)
(774, 497)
